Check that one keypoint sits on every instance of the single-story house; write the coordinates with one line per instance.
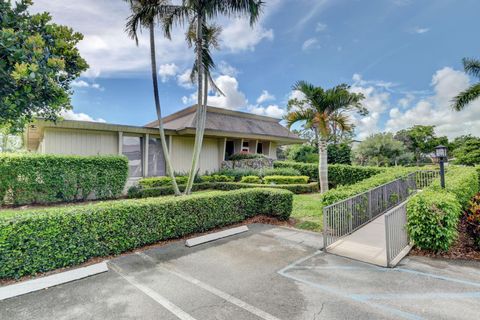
(227, 132)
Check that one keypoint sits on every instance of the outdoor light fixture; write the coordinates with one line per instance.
(441, 154)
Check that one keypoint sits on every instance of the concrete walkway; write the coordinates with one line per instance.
(366, 244)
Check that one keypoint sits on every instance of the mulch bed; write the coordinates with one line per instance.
(257, 219)
(463, 248)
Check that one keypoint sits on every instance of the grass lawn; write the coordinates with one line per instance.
(307, 211)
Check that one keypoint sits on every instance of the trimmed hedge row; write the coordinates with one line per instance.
(155, 182)
(338, 174)
(43, 240)
(285, 180)
(238, 174)
(135, 192)
(433, 215)
(35, 178)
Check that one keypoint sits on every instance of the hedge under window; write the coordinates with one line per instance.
(133, 150)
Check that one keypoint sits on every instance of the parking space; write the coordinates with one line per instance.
(267, 273)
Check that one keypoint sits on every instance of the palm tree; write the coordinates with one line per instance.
(197, 13)
(472, 67)
(319, 109)
(144, 15)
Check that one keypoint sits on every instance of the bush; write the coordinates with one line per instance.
(338, 174)
(156, 182)
(244, 156)
(462, 182)
(473, 219)
(285, 180)
(139, 192)
(35, 178)
(237, 174)
(279, 172)
(432, 219)
(251, 179)
(42, 240)
(217, 178)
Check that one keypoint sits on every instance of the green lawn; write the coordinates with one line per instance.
(307, 212)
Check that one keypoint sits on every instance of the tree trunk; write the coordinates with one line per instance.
(322, 164)
(163, 140)
(201, 107)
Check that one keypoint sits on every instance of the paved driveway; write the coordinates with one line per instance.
(267, 273)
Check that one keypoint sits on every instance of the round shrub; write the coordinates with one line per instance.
(433, 217)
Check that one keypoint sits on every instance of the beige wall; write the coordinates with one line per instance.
(79, 142)
(181, 151)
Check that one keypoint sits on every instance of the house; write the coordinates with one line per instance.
(226, 132)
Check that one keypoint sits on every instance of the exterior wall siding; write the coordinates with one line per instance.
(182, 149)
(79, 142)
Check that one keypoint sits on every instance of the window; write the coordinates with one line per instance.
(260, 148)
(156, 159)
(245, 147)
(133, 150)
(229, 149)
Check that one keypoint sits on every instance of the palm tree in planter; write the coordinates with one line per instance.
(197, 13)
(472, 67)
(145, 13)
(319, 109)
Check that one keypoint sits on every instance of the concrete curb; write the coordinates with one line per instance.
(215, 236)
(29, 286)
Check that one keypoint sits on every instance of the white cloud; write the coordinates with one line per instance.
(184, 80)
(320, 27)
(313, 8)
(419, 30)
(310, 44)
(406, 101)
(265, 96)
(167, 71)
(71, 115)
(240, 36)
(272, 110)
(436, 109)
(84, 84)
(227, 69)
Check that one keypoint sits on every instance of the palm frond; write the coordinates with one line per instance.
(466, 97)
(472, 66)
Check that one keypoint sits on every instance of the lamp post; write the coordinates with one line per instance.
(441, 154)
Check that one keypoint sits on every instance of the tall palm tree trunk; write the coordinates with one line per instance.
(163, 140)
(201, 107)
(322, 163)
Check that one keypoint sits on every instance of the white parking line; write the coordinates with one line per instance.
(172, 308)
(225, 296)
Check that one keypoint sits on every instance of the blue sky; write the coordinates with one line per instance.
(404, 55)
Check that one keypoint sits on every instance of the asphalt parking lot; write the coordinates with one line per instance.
(267, 273)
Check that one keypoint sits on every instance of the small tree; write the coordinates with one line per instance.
(379, 149)
(38, 62)
(318, 110)
(468, 152)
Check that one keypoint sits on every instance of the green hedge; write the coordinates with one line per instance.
(136, 192)
(347, 191)
(250, 179)
(432, 219)
(338, 174)
(433, 215)
(42, 240)
(34, 178)
(285, 179)
(216, 178)
(155, 182)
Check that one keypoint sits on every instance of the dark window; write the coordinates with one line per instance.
(245, 147)
(133, 150)
(156, 159)
(260, 148)
(229, 149)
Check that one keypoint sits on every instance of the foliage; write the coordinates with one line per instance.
(379, 149)
(155, 182)
(251, 179)
(279, 172)
(339, 153)
(421, 140)
(245, 156)
(216, 178)
(339, 174)
(462, 182)
(473, 219)
(464, 98)
(9, 142)
(324, 111)
(468, 152)
(285, 179)
(432, 219)
(237, 174)
(33, 241)
(306, 153)
(38, 63)
(34, 178)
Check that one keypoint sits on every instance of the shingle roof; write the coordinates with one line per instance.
(227, 121)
